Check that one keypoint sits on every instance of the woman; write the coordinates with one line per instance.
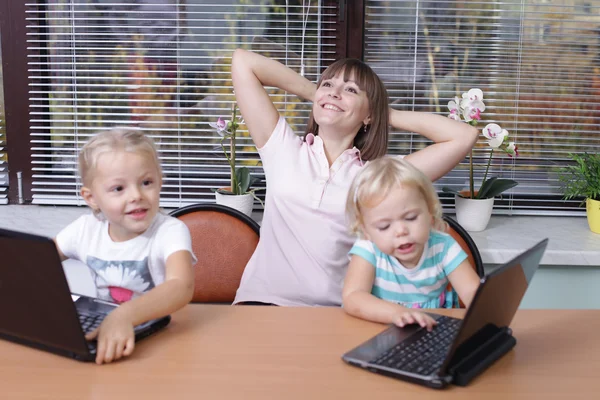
(302, 255)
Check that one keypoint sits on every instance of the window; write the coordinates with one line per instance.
(162, 66)
(538, 63)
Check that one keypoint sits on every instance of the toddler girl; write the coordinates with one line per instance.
(403, 260)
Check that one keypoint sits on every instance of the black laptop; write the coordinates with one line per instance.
(36, 306)
(456, 350)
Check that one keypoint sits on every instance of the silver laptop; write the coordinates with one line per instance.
(37, 308)
(456, 350)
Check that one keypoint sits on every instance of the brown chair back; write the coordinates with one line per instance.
(467, 244)
(223, 240)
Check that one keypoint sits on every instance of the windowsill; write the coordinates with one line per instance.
(571, 241)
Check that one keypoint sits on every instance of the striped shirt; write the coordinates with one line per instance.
(424, 286)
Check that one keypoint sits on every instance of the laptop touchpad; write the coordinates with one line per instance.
(382, 342)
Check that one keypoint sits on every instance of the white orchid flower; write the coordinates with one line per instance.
(472, 95)
(512, 149)
(472, 110)
(454, 104)
(454, 107)
(495, 135)
(222, 126)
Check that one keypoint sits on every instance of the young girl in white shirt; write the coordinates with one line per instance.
(137, 256)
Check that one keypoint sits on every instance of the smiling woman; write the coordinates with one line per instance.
(302, 255)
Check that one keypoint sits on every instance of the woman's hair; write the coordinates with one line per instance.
(375, 181)
(127, 139)
(373, 141)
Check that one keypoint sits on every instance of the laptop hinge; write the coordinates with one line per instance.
(479, 352)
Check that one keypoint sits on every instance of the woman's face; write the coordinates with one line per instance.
(340, 106)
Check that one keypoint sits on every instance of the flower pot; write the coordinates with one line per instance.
(473, 214)
(242, 202)
(592, 208)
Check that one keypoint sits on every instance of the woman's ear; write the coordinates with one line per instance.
(367, 120)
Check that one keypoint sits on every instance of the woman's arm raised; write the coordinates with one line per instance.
(250, 72)
(452, 140)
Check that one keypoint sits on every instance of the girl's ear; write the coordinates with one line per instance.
(87, 195)
(367, 120)
(364, 233)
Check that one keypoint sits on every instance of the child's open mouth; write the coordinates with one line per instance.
(138, 214)
(406, 248)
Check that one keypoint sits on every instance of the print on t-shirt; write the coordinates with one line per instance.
(120, 281)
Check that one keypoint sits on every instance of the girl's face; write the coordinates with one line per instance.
(399, 225)
(126, 189)
(340, 107)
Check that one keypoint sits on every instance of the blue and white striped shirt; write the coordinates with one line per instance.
(424, 286)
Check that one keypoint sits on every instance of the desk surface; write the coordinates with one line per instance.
(245, 352)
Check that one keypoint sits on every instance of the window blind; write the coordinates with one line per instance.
(164, 67)
(537, 62)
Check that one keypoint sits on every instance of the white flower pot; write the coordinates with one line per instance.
(473, 214)
(243, 202)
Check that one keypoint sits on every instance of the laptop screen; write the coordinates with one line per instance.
(496, 301)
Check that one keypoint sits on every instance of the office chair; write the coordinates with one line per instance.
(223, 240)
(467, 244)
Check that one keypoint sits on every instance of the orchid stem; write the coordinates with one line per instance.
(231, 165)
(232, 160)
(488, 167)
(471, 183)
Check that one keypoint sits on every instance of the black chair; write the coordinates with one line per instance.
(223, 240)
(467, 244)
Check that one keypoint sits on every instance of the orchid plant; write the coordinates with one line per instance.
(469, 109)
(241, 180)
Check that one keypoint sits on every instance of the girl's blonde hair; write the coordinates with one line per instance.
(371, 140)
(117, 139)
(375, 181)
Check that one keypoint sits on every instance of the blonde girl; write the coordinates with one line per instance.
(403, 259)
(138, 257)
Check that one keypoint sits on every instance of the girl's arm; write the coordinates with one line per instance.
(115, 335)
(359, 302)
(452, 140)
(465, 281)
(250, 72)
(60, 253)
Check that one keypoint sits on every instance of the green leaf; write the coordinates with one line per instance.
(485, 187)
(581, 179)
(243, 180)
(253, 180)
(494, 186)
(224, 191)
(446, 189)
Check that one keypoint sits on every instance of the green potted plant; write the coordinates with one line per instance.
(582, 180)
(239, 194)
(474, 206)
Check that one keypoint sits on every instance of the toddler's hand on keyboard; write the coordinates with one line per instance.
(115, 337)
(408, 317)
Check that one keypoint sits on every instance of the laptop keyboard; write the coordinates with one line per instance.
(90, 320)
(424, 352)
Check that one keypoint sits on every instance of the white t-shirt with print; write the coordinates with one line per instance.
(124, 270)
